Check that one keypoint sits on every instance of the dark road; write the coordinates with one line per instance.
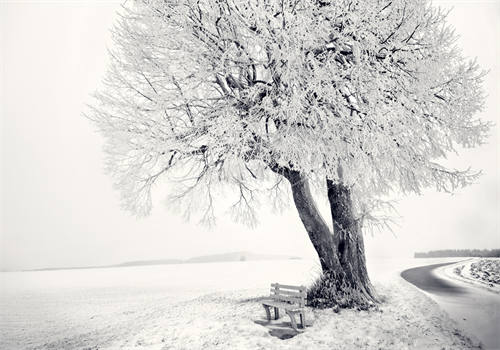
(475, 310)
(423, 278)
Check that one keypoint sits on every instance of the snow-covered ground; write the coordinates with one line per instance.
(200, 306)
(482, 272)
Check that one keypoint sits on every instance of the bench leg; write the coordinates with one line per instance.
(276, 313)
(303, 320)
(292, 320)
(268, 312)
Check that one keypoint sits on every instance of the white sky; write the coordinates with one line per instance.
(59, 209)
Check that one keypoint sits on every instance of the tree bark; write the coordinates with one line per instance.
(316, 227)
(345, 279)
(348, 238)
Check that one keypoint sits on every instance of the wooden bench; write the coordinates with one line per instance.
(289, 298)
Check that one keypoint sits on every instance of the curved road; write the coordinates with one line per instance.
(477, 311)
(424, 279)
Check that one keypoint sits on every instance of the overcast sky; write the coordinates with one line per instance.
(58, 208)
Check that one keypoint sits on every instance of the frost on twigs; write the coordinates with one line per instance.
(220, 91)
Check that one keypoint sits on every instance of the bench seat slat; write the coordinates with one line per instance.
(299, 301)
(286, 306)
(286, 286)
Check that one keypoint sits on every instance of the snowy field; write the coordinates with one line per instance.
(482, 272)
(215, 305)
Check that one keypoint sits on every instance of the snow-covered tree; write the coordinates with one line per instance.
(353, 98)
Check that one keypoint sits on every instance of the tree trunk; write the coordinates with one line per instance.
(348, 238)
(317, 229)
(345, 279)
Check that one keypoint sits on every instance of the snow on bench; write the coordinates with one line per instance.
(289, 298)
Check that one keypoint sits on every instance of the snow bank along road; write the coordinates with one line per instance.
(476, 310)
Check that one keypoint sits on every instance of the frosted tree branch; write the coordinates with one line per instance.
(239, 92)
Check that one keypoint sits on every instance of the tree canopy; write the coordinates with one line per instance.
(372, 94)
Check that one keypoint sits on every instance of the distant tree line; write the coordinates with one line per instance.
(450, 253)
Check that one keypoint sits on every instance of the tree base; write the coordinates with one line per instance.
(333, 290)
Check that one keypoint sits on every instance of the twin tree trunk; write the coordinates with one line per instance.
(345, 279)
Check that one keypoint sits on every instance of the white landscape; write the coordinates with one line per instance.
(210, 306)
(148, 146)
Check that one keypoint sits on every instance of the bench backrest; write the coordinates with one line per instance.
(289, 294)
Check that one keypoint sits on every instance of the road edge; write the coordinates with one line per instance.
(447, 273)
